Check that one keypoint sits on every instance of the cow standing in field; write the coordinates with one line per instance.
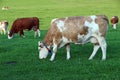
(21, 24)
(78, 30)
(114, 20)
(3, 26)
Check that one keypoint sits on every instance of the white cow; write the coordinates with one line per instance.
(78, 30)
(3, 26)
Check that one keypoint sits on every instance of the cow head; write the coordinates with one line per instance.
(10, 35)
(43, 52)
(114, 21)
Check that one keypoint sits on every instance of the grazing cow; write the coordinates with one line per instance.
(5, 8)
(3, 26)
(21, 24)
(114, 21)
(78, 30)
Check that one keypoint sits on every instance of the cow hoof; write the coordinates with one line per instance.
(51, 60)
(22, 36)
(103, 59)
(90, 58)
(68, 58)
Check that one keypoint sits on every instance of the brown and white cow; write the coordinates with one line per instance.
(78, 30)
(3, 26)
(21, 24)
(114, 20)
(5, 8)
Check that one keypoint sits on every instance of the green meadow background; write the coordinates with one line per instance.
(19, 56)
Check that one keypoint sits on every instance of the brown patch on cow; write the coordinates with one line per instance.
(74, 26)
(53, 33)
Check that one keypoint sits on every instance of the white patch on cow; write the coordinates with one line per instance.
(93, 17)
(93, 40)
(93, 26)
(64, 41)
(60, 25)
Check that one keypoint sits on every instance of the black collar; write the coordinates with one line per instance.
(50, 52)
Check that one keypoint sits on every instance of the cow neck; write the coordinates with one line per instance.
(49, 50)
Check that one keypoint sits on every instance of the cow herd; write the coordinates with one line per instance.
(64, 31)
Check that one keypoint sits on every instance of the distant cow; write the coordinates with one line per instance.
(5, 8)
(3, 26)
(78, 30)
(114, 21)
(21, 24)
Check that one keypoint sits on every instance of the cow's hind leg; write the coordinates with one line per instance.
(103, 45)
(95, 49)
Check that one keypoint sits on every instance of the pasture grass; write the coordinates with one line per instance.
(19, 56)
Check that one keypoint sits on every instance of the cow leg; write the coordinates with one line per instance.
(95, 49)
(22, 33)
(38, 31)
(68, 51)
(4, 31)
(114, 26)
(54, 52)
(103, 46)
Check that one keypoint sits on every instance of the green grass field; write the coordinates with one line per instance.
(19, 56)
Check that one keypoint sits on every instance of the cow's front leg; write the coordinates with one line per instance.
(22, 34)
(68, 51)
(54, 52)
